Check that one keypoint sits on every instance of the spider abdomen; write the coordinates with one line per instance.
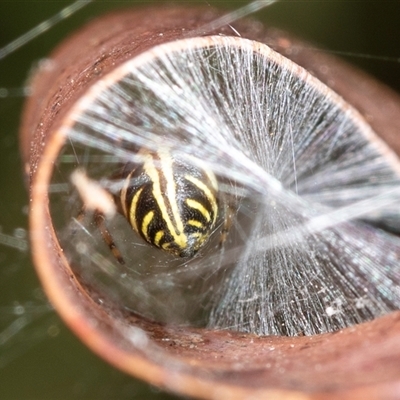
(172, 204)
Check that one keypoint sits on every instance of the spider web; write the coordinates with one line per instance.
(27, 321)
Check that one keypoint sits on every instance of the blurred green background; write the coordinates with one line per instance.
(39, 357)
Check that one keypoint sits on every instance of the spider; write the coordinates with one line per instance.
(171, 203)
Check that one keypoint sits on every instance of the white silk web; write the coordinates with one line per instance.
(313, 246)
(307, 179)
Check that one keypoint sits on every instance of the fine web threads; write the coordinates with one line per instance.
(43, 27)
(16, 337)
(295, 162)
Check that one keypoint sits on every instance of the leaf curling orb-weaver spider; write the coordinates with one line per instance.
(171, 203)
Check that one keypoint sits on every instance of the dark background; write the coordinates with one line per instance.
(39, 357)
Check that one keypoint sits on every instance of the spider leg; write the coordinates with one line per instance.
(228, 213)
(99, 220)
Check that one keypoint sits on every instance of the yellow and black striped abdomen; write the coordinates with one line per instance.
(173, 205)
